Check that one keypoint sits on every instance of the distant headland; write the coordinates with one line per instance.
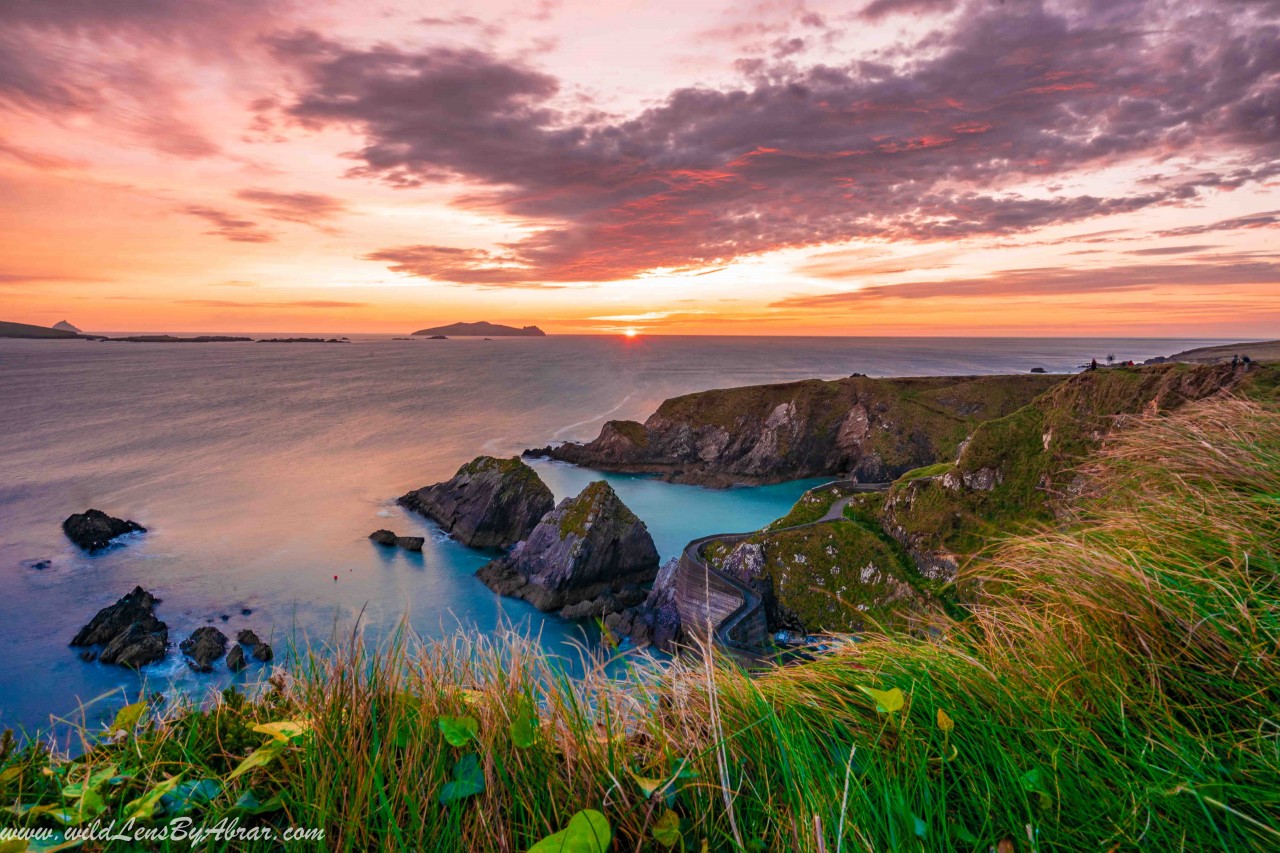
(484, 329)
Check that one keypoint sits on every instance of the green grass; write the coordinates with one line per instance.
(1118, 688)
(810, 506)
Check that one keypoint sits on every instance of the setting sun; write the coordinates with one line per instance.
(630, 333)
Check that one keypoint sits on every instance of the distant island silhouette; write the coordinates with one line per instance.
(483, 329)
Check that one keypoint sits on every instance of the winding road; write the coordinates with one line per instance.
(708, 596)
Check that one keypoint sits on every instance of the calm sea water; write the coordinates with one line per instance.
(260, 470)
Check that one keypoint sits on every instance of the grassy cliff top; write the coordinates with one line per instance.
(1114, 691)
(953, 396)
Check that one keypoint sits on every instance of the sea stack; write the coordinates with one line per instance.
(93, 529)
(590, 548)
(489, 503)
(128, 630)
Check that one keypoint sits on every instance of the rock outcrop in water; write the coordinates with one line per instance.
(93, 530)
(870, 430)
(391, 540)
(591, 548)
(203, 647)
(260, 650)
(482, 329)
(489, 503)
(128, 631)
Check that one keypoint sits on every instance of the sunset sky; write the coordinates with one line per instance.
(887, 167)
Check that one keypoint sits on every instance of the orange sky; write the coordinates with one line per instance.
(890, 167)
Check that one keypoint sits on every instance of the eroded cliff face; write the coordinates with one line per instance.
(1018, 470)
(489, 503)
(871, 430)
(591, 553)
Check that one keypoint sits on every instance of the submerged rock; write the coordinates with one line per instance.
(391, 540)
(590, 546)
(128, 630)
(489, 503)
(93, 529)
(203, 647)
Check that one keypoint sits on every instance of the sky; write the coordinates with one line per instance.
(865, 167)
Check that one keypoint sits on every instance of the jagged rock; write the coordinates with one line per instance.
(656, 621)
(247, 637)
(872, 430)
(589, 546)
(93, 529)
(391, 540)
(129, 631)
(203, 647)
(383, 537)
(235, 659)
(489, 503)
(263, 652)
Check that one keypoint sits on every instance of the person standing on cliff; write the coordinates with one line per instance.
(1093, 364)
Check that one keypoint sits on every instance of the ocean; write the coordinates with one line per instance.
(260, 470)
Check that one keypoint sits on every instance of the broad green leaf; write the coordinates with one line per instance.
(887, 701)
(11, 774)
(260, 757)
(16, 845)
(588, 832)
(190, 795)
(1031, 784)
(459, 730)
(284, 730)
(648, 785)
(945, 722)
(128, 717)
(524, 728)
(468, 780)
(667, 830)
(144, 806)
(249, 804)
(95, 781)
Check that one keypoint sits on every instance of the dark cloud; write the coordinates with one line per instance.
(1266, 219)
(884, 8)
(312, 209)
(1052, 281)
(928, 148)
(229, 226)
(445, 263)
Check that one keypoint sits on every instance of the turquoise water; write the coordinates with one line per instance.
(260, 471)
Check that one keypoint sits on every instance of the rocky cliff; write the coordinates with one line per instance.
(489, 503)
(866, 429)
(1018, 470)
(590, 553)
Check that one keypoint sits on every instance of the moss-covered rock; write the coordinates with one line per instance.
(868, 429)
(831, 576)
(590, 548)
(489, 503)
(1016, 471)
